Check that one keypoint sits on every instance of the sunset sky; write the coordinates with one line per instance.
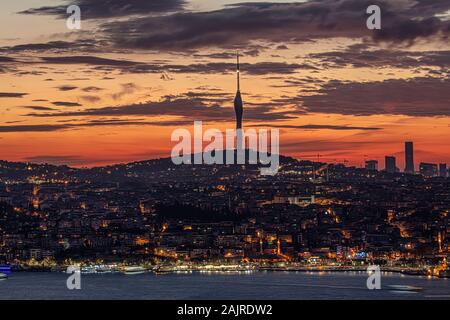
(115, 90)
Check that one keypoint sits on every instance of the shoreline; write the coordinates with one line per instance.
(173, 270)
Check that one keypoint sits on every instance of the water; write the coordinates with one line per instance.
(238, 286)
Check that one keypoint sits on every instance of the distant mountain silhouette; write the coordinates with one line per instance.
(22, 170)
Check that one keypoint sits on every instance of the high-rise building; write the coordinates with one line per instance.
(428, 169)
(409, 157)
(443, 170)
(389, 164)
(238, 105)
(372, 165)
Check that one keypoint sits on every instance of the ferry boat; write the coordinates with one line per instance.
(96, 269)
(87, 270)
(405, 288)
(444, 274)
(134, 270)
(103, 269)
(5, 269)
(163, 270)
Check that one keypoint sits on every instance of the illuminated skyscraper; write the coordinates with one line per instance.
(409, 157)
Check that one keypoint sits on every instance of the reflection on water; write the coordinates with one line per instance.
(258, 285)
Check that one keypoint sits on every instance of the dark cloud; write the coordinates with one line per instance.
(66, 104)
(7, 59)
(238, 25)
(12, 94)
(436, 58)
(121, 122)
(410, 30)
(319, 127)
(161, 25)
(220, 55)
(126, 66)
(192, 106)
(90, 98)
(364, 56)
(15, 121)
(92, 89)
(425, 8)
(95, 9)
(260, 68)
(303, 82)
(90, 60)
(31, 128)
(67, 125)
(229, 55)
(361, 59)
(80, 45)
(127, 88)
(412, 97)
(174, 107)
(66, 88)
(28, 73)
(39, 108)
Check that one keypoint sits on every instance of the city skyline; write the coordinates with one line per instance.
(192, 150)
(92, 98)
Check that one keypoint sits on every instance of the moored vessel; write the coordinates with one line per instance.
(134, 270)
(405, 288)
(444, 274)
(5, 269)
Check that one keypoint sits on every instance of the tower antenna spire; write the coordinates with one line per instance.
(238, 72)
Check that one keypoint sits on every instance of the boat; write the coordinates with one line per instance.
(87, 270)
(103, 269)
(134, 270)
(164, 270)
(3, 276)
(405, 288)
(5, 269)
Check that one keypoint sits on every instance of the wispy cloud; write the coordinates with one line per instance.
(12, 94)
(66, 104)
(319, 127)
(66, 88)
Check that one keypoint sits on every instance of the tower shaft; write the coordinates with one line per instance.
(238, 104)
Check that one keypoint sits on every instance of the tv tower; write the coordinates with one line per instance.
(238, 105)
